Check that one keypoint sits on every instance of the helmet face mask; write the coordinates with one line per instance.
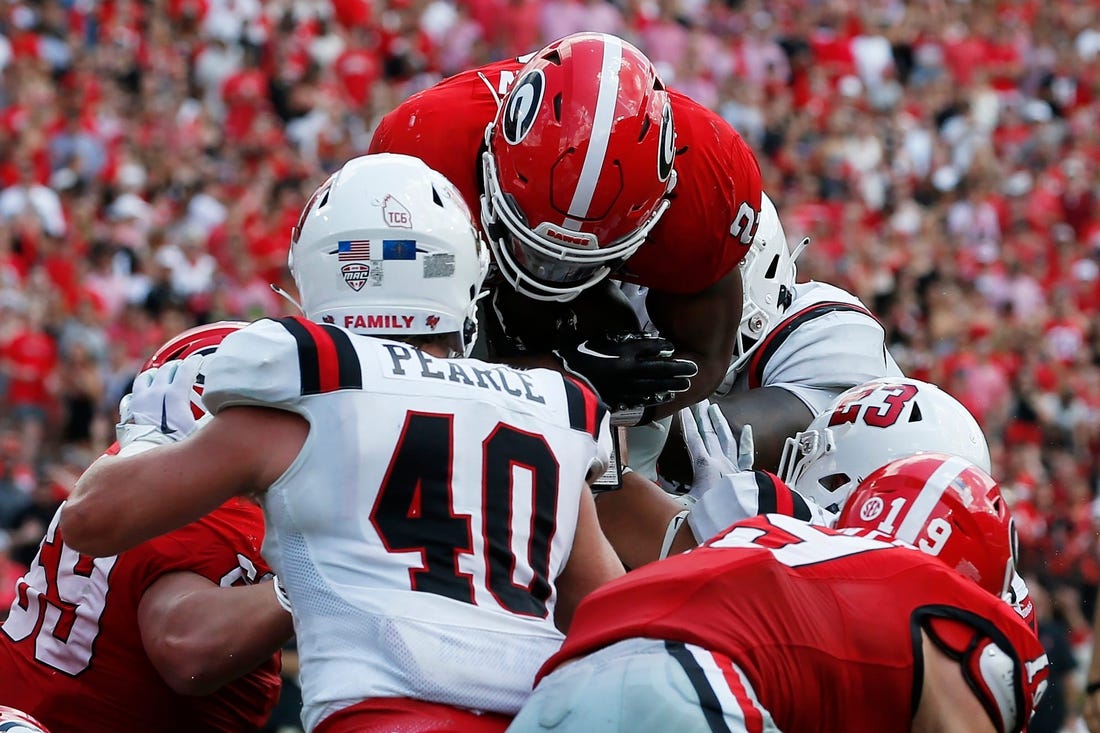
(768, 272)
(577, 165)
(388, 247)
(868, 426)
(944, 506)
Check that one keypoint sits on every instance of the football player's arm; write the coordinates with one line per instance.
(200, 636)
(592, 562)
(947, 703)
(636, 517)
(774, 413)
(120, 502)
(702, 326)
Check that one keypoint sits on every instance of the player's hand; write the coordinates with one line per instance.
(714, 451)
(631, 371)
(158, 409)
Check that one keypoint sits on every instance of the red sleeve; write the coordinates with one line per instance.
(715, 206)
(445, 126)
(219, 547)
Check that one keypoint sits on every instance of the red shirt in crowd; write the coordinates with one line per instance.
(29, 359)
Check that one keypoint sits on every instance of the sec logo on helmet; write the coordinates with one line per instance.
(871, 509)
(522, 107)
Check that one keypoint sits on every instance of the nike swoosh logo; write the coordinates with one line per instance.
(582, 348)
(164, 417)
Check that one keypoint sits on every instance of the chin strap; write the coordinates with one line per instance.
(288, 297)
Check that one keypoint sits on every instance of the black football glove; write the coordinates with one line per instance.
(633, 372)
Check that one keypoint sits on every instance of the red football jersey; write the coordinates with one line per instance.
(819, 621)
(715, 205)
(71, 652)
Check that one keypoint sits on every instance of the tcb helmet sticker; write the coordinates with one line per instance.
(518, 116)
(666, 150)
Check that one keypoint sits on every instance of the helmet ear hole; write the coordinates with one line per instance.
(834, 481)
(915, 414)
(772, 268)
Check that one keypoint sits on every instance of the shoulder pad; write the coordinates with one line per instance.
(587, 413)
(1003, 664)
(843, 335)
(277, 362)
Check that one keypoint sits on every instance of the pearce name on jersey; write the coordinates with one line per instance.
(485, 376)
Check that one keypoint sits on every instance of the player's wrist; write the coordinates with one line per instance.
(671, 531)
(280, 593)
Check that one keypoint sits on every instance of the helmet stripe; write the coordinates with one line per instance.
(929, 497)
(602, 120)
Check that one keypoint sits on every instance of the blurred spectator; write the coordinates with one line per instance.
(26, 528)
(1059, 701)
(10, 573)
(16, 479)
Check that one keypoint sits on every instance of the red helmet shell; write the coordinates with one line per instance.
(944, 506)
(193, 341)
(581, 153)
(198, 340)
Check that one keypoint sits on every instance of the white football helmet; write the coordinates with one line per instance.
(768, 273)
(870, 425)
(387, 246)
(16, 721)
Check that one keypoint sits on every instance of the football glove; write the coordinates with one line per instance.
(632, 372)
(715, 453)
(158, 409)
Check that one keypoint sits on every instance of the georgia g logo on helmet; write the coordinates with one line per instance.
(666, 152)
(522, 106)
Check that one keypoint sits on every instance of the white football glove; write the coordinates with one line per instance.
(714, 452)
(158, 410)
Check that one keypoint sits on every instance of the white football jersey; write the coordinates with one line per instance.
(420, 530)
(826, 343)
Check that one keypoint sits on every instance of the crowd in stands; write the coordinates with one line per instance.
(943, 156)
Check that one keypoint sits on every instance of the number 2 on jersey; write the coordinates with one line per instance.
(877, 416)
(414, 512)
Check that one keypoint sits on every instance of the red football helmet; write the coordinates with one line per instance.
(198, 340)
(16, 721)
(944, 506)
(578, 164)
